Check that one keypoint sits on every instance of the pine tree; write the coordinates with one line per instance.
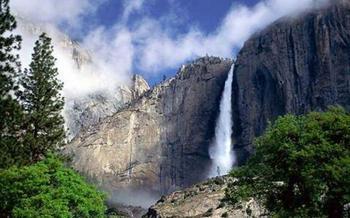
(42, 102)
(10, 111)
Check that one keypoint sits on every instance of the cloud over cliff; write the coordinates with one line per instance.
(146, 45)
(159, 49)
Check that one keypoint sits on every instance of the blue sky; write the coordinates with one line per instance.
(184, 14)
(203, 13)
(149, 37)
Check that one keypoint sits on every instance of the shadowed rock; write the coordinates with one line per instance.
(296, 65)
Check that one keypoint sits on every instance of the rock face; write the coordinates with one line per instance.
(203, 200)
(159, 142)
(83, 112)
(294, 66)
(139, 86)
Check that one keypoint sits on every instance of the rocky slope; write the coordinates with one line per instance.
(159, 142)
(206, 199)
(294, 66)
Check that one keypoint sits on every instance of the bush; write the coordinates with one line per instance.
(48, 189)
(301, 167)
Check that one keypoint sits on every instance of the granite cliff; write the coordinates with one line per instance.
(159, 142)
(85, 111)
(296, 65)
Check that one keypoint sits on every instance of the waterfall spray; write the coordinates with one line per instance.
(220, 151)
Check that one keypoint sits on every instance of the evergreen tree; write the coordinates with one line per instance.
(10, 111)
(42, 102)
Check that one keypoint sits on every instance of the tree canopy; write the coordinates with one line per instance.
(48, 189)
(301, 167)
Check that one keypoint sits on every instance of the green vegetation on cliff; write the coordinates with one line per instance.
(301, 167)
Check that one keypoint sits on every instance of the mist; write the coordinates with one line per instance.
(82, 71)
(138, 198)
(105, 58)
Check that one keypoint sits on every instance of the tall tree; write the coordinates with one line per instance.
(10, 111)
(42, 102)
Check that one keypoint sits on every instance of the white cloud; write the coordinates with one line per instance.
(131, 6)
(147, 45)
(105, 69)
(54, 11)
(159, 50)
(115, 52)
(112, 53)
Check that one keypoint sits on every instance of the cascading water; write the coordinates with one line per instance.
(220, 151)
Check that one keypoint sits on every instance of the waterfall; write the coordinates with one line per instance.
(220, 151)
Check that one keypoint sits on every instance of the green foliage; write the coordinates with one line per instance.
(301, 167)
(42, 102)
(48, 189)
(28, 131)
(10, 111)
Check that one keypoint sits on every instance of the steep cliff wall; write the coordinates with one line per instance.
(160, 141)
(294, 66)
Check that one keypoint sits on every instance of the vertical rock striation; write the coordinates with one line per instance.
(294, 66)
(85, 111)
(159, 142)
